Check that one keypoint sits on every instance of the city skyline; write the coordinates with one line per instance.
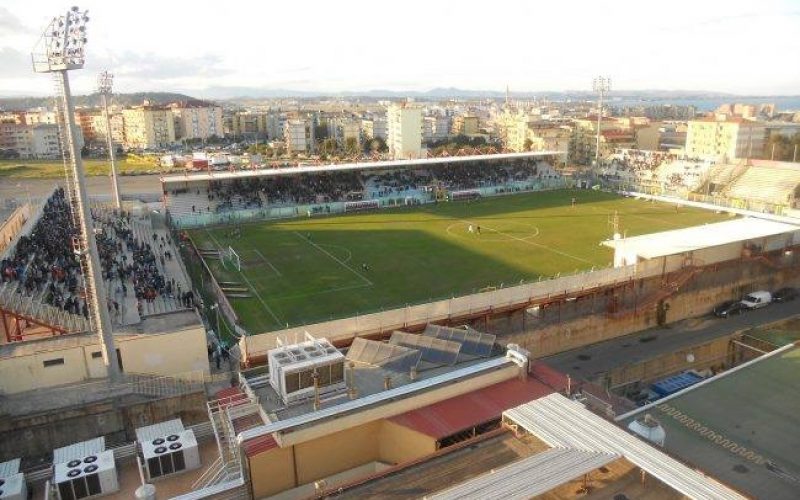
(345, 47)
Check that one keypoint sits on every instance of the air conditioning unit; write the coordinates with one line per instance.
(90, 476)
(171, 454)
(13, 487)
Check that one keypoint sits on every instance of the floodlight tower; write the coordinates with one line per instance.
(601, 85)
(105, 80)
(60, 50)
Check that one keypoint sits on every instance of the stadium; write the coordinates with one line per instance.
(413, 313)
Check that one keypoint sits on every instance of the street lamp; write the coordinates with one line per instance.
(601, 85)
(105, 81)
(61, 49)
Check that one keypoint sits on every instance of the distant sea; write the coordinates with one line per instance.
(790, 103)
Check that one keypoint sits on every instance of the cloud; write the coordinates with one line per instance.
(15, 63)
(151, 66)
(10, 24)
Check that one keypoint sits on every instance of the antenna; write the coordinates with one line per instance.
(61, 49)
(613, 222)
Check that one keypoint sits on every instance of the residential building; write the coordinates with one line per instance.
(545, 136)
(465, 125)
(197, 120)
(344, 130)
(724, 138)
(248, 125)
(39, 141)
(404, 123)
(584, 138)
(299, 135)
(374, 127)
(148, 127)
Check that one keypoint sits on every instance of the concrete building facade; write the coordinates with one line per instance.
(148, 127)
(197, 120)
(725, 138)
(404, 124)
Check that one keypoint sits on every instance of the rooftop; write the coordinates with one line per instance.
(344, 167)
(679, 241)
(740, 426)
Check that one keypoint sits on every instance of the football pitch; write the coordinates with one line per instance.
(302, 271)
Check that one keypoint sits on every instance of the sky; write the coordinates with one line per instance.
(747, 47)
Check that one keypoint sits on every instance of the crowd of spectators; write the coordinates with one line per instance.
(44, 262)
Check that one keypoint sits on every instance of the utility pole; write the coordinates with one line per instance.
(60, 50)
(105, 81)
(601, 85)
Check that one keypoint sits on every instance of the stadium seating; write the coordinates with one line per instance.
(776, 185)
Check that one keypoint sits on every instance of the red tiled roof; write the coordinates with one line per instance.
(463, 412)
(258, 445)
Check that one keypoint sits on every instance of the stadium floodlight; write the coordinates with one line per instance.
(601, 85)
(105, 81)
(61, 49)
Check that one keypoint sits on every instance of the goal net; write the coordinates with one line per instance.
(230, 256)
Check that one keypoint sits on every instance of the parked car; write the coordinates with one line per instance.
(785, 294)
(729, 308)
(756, 300)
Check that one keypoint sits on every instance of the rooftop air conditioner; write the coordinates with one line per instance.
(171, 454)
(13, 487)
(90, 476)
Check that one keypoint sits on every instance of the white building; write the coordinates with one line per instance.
(32, 141)
(404, 124)
(374, 127)
(299, 136)
(197, 120)
(44, 141)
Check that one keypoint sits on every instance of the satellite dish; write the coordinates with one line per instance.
(690, 358)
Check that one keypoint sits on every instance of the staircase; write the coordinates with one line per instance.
(669, 286)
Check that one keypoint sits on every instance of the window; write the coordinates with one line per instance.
(97, 354)
(53, 362)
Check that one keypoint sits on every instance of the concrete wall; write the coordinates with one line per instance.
(272, 472)
(37, 435)
(153, 354)
(337, 452)
(400, 444)
(166, 353)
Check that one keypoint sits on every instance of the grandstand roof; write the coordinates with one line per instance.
(307, 169)
(650, 246)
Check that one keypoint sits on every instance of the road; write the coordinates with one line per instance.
(11, 188)
(595, 360)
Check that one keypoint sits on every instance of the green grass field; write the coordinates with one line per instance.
(54, 169)
(309, 270)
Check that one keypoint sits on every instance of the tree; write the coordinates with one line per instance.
(375, 145)
(528, 144)
(351, 145)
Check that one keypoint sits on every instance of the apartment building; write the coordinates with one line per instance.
(299, 135)
(197, 120)
(724, 138)
(39, 141)
(404, 123)
(465, 125)
(374, 127)
(148, 127)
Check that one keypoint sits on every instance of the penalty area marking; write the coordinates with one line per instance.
(321, 292)
(250, 284)
(367, 281)
(349, 253)
(523, 240)
(267, 261)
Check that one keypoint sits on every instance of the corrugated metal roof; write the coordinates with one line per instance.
(306, 169)
(258, 445)
(529, 477)
(79, 450)
(561, 422)
(678, 241)
(8, 469)
(161, 429)
(463, 412)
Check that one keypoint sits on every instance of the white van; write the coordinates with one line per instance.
(757, 300)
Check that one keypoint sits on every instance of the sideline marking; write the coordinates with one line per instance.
(367, 281)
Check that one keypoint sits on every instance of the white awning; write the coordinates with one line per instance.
(529, 477)
(680, 241)
(562, 422)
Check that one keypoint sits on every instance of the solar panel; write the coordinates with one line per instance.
(473, 342)
(388, 356)
(434, 350)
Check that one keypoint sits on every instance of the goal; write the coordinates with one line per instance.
(230, 256)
